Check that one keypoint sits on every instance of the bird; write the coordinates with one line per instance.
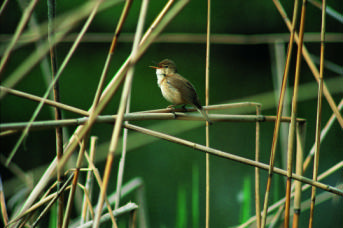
(177, 89)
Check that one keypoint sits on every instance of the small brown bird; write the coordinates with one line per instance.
(175, 88)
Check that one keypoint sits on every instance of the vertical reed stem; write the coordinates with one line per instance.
(278, 118)
(291, 135)
(207, 103)
(58, 113)
(257, 170)
(301, 133)
(319, 114)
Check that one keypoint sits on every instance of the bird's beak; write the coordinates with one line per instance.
(154, 67)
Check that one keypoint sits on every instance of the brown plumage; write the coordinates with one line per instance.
(175, 88)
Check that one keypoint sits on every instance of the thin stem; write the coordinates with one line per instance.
(23, 21)
(301, 132)
(207, 69)
(111, 51)
(279, 112)
(319, 115)
(89, 183)
(122, 107)
(230, 156)
(311, 65)
(45, 101)
(58, 113)
(257, 171)
(291, 135)
(41, 125)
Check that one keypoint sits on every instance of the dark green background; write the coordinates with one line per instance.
(238, 73)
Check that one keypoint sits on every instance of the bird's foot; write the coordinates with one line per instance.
(172, 110)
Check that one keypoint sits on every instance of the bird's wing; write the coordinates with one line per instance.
(184, 85)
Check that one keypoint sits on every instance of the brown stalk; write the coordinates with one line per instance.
(207, 94)
(89, 183)
(53, 200)
(120, 24)
(280, 204)
(49, 124)
(46, 101)
(311, 65)
(278, 118)
(122, 107)
(233, 157)
(58, 113)
(291, 135)
(74, 184)
(301, 132)
(319, 115)
(257, 171)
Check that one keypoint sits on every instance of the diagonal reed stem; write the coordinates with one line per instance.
(311, 65)
(111, 51)
(63, 65)
(232, 157)
(22, 23)
(279, 112)
(89, 183)
(291, 135)
(319, 115)
(122, 107)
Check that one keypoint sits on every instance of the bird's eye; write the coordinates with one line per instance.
(166, 66)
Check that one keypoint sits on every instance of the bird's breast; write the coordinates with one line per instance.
(170, 93)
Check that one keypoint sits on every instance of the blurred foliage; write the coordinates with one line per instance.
(237, 72)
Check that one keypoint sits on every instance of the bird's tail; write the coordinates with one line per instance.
(204, 114)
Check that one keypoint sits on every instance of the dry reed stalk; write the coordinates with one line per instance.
(63, 65)
(122, 106)
(58, 113)
(120, 24)
(47, 198)
(49, 124)
(319, 115)
(121, 167)
(278, 60)
(184, 38)
(98, 179)
(311, 153)
(3, 204)
(122, 210)
(21, 25)
(115, 82)
(89, 184)
(44, 64)
(257, 171)
(330, 11)
(207, 100)
(46, 101)
(311, 65)
(324, 132)
(70, 202)
(107, 94)
(280, 204)
(233, 157)
(301, 133)
(67, 23)
(291, 135)
(279, 112)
